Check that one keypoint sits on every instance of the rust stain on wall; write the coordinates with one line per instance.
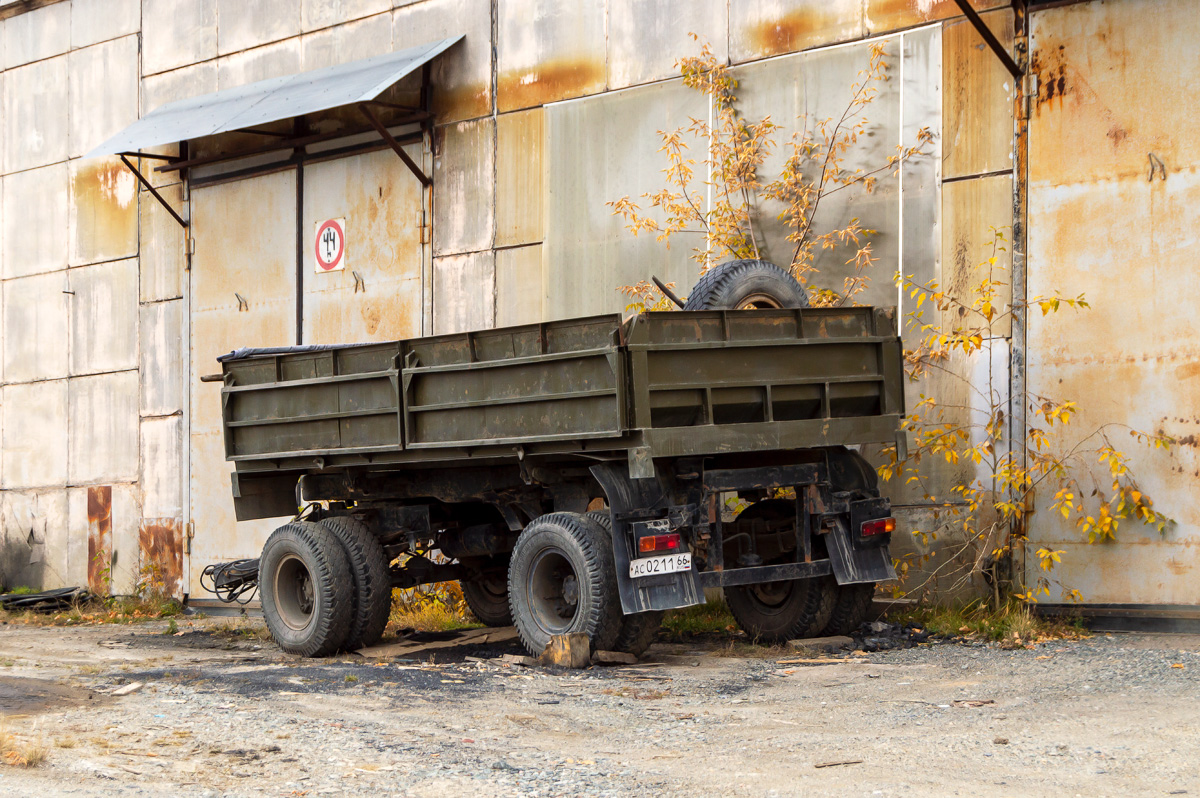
(793, 31)
(1050, 66)
(104, 208)
(557, 79)
(99, 513)
(160, 551)
(465, 102)
(885, 15)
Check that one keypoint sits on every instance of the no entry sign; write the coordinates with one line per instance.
(331, 245)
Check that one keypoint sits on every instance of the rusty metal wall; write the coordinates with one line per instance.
(1114, 86)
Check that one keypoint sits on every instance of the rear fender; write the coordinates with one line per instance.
(858, 560)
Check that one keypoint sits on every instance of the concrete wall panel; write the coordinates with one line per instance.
(160, 326)
(35, 435)
(35, 114)
(464, 193)
(548, 51)
(35, 240)
(166, 87)
(162, 257)
(774, 27)
(34, 542)
(589, 254)
(970, 211)
(381, 202)
(462, 76)
(104, 428)
(177, 33)
(644, 45)
(261, 63)
(35, 327)
(95, 21)
(349, 42)
(103, 91)
(37, 34)
(103, 211)
(243, 24)
(162, 489)
(104, 317)
(520, 178)
(116, 530)
(519, 291)
(316, 14)
(464, 291)
(977, 135)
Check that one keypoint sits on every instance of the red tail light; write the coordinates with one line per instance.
(880, 526)
(651, 543)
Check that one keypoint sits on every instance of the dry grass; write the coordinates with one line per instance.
(712, 618)
(18, 750)
(118, 610)
(1013, 625)
(432, 608)
(241, 630)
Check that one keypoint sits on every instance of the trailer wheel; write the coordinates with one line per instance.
(639, 629)
(372, 584)
(746, 285)
(306, 589)
(487, 597)
(561, 580)
(775, 612)
(850, 609)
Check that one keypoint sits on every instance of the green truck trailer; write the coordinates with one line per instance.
(578, 475)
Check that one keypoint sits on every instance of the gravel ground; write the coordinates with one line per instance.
(1111, 715)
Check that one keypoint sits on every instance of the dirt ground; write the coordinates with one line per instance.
(222, 714)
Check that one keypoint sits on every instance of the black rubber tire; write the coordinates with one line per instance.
(639, 629)
(573, 547)
(296, 553)
(488, 598)
(780, 611)
(372, 588)
(797, 608)
(850, 608)
(738, 283)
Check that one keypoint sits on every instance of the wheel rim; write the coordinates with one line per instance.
(553, 590)
(295, 598)
(759, 302)
(770, 597)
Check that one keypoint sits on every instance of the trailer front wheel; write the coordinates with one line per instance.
(561, 580)
(305, 583)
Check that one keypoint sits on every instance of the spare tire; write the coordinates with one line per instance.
(746, 285)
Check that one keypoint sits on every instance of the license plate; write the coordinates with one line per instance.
(649, 566)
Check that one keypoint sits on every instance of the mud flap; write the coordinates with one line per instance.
(658, 592)
(856, 565)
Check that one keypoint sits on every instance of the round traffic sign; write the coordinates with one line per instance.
(331, 245)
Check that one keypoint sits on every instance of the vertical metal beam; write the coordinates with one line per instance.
(992, 42)
(1018, 400)
(300, 127)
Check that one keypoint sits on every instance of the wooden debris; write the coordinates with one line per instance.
(837, 764)
(516, 659)
(828, 645)
(474, 637)
(972, 702)
(568, 651)
(127, 689)
(810, 661)
(613, 658)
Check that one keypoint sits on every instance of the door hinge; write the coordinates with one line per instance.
(191, 533)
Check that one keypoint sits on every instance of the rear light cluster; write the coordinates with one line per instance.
(880, 526)
(651, 543)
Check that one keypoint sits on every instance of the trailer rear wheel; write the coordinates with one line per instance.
(850, 609)
(487, 597)
(775, 612)
(305, 584)
(639, 629)
(372, 584)
(746, 285)
(561, 580)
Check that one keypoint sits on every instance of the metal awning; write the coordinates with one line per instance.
(271, 100)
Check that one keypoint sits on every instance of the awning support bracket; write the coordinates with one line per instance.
(395, 145)
(153, 191)
(986, 34)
